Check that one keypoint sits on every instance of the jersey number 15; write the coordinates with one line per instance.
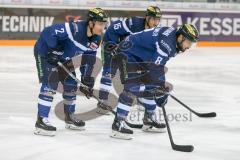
(117, 26)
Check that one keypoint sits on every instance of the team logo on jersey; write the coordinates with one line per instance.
(93, 45)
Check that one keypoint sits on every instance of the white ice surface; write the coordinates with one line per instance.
(207, 79)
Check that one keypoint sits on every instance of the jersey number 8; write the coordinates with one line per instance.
(158, 60)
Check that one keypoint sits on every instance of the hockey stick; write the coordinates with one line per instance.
(203, 115)
(182, 148)
(102, 105)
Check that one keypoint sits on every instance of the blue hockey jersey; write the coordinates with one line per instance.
(156, 45)
(152, 46)
(119, 29)
(71, 38)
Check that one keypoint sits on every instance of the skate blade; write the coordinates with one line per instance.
(42, 132)
(102, 112)
(73, 127)
(119, 135)
(152, 129)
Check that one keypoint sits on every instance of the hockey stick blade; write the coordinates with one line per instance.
(206, 115)
(183, 148)
(202, 115)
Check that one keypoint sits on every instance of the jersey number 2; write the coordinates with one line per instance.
(59, 30)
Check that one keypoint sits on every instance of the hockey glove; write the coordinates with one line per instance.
(54, 56)
(87, 89)
(162, 89)
(111, 48)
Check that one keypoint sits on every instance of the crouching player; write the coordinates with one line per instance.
(151, 48)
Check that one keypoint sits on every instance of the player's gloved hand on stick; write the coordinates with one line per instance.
(161, 101)
(88, 88)
(163, 89)
(54, 56)
(111, 48)
(162, 93)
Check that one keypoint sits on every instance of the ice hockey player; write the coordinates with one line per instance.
(115, 33)
(153, 47)
(61, 42)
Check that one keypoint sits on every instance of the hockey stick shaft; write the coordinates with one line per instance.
(182, 148)
(167, 124)
(109, 108)
(75, 78)
(203, 115)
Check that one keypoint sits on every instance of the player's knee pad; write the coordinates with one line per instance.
(106, 79)
(70, 85)
(45, 97)
(148, 103)
(47, 91)
(126, 98)
(69, 96)
(70, 89)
